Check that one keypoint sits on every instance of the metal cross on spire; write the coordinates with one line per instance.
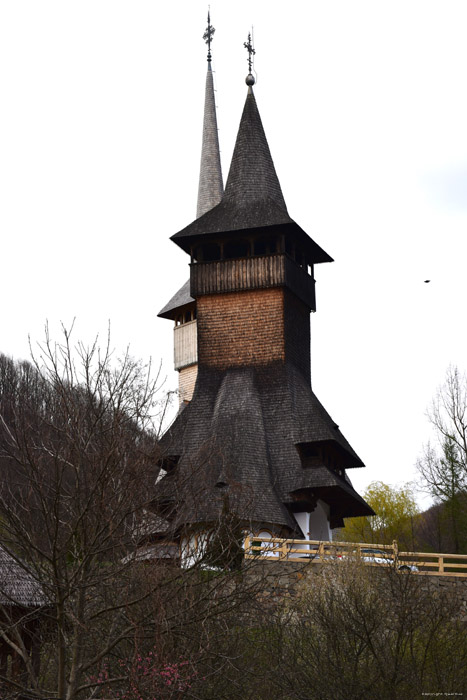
(251, 52)
(250, 81)
(208, 34)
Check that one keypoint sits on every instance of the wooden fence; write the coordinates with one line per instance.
(318, 552)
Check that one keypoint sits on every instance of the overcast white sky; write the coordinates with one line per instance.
(364, 104)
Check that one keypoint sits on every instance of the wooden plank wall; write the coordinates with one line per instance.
(185, 345)
(262, 271)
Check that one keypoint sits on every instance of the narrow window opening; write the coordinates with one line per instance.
(210, 252)
(236, 249)
(265, 246)
(260, 247)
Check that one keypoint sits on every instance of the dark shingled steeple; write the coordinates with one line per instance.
(253, 197)
(252, 176)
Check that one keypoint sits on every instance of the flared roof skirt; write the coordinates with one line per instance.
(240, 436)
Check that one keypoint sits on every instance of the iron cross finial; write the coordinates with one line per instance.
(208, 34)
(251, 52)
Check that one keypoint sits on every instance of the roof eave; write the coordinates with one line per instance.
(180, 300)
(186, 240)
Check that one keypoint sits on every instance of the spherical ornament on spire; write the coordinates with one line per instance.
(250, 80)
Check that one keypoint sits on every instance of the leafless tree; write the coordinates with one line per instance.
(354, 633)
(443, 467)
(78, 453)
(79, 457)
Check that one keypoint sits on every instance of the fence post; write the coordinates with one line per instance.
(441, 565)
(283, 550)
(395, 549)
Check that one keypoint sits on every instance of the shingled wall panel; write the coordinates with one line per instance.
(240, 329)
(186, 382)
(250, 328)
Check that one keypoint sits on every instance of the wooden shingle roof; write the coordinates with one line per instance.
(18, 586)
(179, 300)
(240, 436)
(211, 187)
(253, 197)
(252, 175)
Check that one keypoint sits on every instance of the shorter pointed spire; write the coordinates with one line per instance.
(211, 187)
(252, 175)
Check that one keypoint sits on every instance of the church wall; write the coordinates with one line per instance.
(253, 327)
(185, 345)
(315, 525)
(192, 549)
(186, 383)
(297, 333)
(303, 522)
(319, 523)
(241, 328)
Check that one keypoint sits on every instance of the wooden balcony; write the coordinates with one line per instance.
(257, 272)
(185, 345)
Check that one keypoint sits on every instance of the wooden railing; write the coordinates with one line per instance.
(319, 552)
(257, 272)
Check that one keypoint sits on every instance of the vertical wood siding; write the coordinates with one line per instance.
(185, 345)
(257, 272)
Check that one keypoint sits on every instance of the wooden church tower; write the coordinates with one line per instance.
(251, 432)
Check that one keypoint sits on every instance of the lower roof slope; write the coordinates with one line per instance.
(179, 300)
(240, 437)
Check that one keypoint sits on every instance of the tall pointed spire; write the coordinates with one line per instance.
(211, 186)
